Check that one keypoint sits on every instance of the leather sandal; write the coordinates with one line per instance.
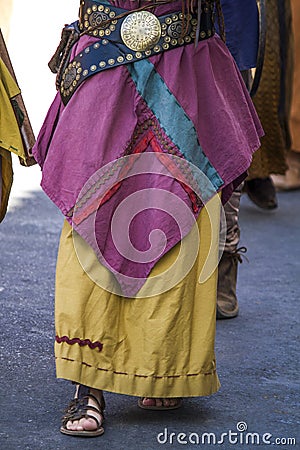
(177, 405)
(79, 409)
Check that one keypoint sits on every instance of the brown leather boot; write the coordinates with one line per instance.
(262, 192)
(291, 179)
(227, 304)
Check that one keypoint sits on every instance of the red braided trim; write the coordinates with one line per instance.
(81, 342)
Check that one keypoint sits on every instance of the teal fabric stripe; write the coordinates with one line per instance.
(164, 105)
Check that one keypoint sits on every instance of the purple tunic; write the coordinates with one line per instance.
(188, 102)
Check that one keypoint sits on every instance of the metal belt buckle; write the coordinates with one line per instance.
(140, 31)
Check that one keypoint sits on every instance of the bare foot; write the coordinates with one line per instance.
(154, 403)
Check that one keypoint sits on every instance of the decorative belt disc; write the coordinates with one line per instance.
(140, 31)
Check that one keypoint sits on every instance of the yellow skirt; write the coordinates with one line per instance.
(159, 346)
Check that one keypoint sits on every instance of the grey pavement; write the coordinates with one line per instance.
(257, 353)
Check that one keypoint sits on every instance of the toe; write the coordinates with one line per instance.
(88, 424)
(72, 425)
(148, 401)
(166, 402)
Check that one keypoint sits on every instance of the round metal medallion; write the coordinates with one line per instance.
(140, 31)
(175, 29)
(97, 18)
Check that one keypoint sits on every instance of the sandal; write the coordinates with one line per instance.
(163, 407)
(79, 409)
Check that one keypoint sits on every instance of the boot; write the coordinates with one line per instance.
(227, 304)
(291, 179)
(262, 192)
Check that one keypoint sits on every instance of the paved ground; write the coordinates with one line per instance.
(257, 353)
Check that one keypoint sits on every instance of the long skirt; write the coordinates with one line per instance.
(159, 346)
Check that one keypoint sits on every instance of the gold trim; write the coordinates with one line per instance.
(140, 31)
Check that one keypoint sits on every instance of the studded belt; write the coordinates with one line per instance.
(126, 37)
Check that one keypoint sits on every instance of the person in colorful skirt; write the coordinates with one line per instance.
(273, 105)
(291, 179)
(9, 135)
(16, 135)
(151, 126)
(242, 39)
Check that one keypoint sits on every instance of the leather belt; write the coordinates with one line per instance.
(126, 37)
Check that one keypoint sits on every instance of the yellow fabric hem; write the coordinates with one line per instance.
(189, 385)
